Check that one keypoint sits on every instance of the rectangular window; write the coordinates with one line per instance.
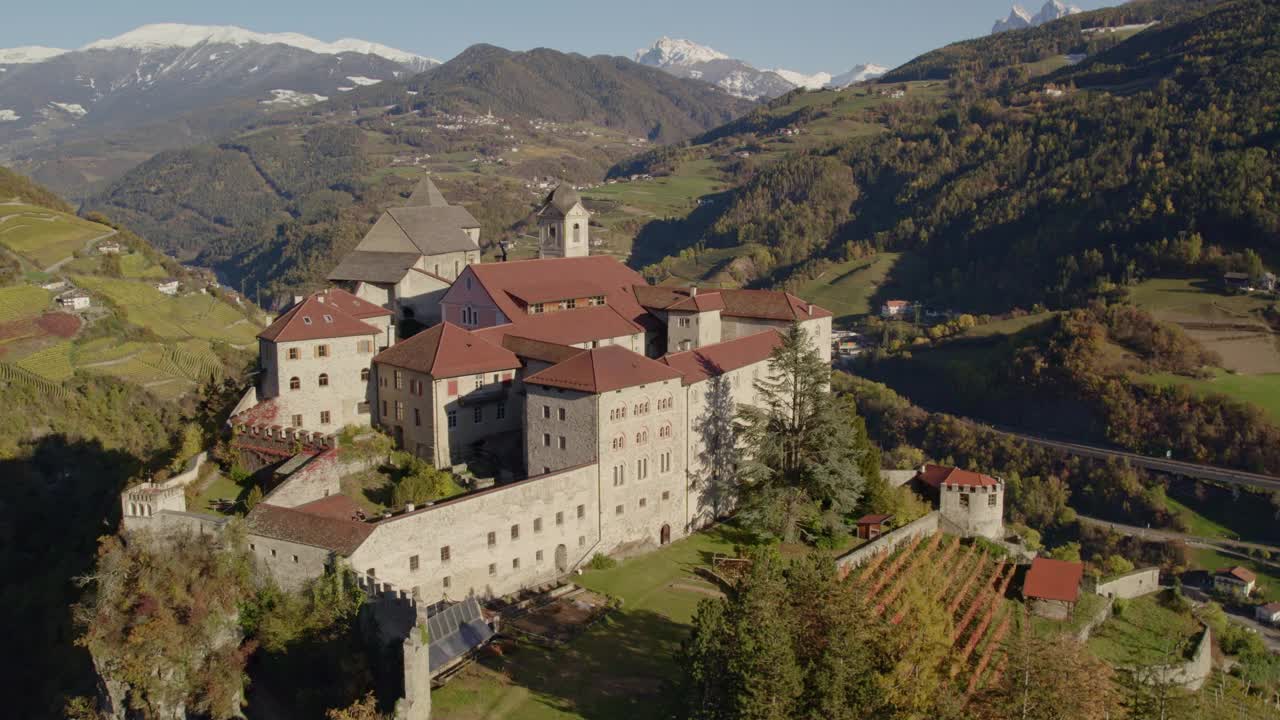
(364, 346)
(561, 413)
(502, 412)
(582, 511)
(644, 502)
(295, 354)
(537, 525)
(322, 351)
(493, 538)
(991, 500)
(399, 409)
(515, 532)
(666, 495)
(546, 411)
(617, 510)
(560, 518)
(515, 563)
(447, 581)
(478, 415)
(324, 417)
(493, 569)
(582, 540)
(453, 388)
(563, 443)
(384, 409)
(399, 383)
(964, 500)
(295, 559)
(413, 563)
(297, 421)
(686, 322)
(417, 416)
(444, 554)
(452, 417)
(537, 556)
(535, 309)
(546, 439)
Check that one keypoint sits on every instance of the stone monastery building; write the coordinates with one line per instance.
(598, 404)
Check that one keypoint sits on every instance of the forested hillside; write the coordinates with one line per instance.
(1154, 154)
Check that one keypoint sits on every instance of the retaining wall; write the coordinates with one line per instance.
(1192, 674)
(888, 542)
(1142, 581)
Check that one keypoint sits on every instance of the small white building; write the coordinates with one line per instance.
(54, 285)
(109, 247)
(1269, 613)
(895, 308)
(75, 301)
(1237, 581)
(168, 287)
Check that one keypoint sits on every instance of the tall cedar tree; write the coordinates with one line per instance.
(803, 452)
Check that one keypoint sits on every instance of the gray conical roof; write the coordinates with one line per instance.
(562, 199)
(426, 194)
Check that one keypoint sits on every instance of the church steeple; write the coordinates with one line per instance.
(563, 224)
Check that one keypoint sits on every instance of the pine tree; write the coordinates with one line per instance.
(1051, 678)
(802, 450)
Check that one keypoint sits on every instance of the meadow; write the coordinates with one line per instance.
(846, 289)
(186, 316)
(44, 236)
(22, 301)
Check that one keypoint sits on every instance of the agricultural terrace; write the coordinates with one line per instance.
(1146, 631)
(44, 236)
(971, 584)
(186, 316)
(22, 301)
(846, 289)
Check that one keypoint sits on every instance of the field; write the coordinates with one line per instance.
(187, 316)
(44, 236)
(619, 668)
(167, 370)
(846, 289)
(1260, 390)
(22, 301)
(1144, 632)
(1227, 324)
(52, 363)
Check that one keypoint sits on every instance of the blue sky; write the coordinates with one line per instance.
(803, 35)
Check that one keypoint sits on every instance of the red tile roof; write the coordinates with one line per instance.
(566, 327)
(759, 304)
(446, 350)
(296, 525)
(333, 506)
(356, 307)
(1242, 574)
(698, 365)
(1271, 608)
(939, 475)
(602, 370)
(315, 319)
(539, 350)
(1053, 580)
(560, 278)
(872, 519)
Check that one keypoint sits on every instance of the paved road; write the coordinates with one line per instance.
(1171, 535)
(1173, 467)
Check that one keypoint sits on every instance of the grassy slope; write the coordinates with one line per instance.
(846, 289)
(1261, 390)
(1142, 633)
(44, 236)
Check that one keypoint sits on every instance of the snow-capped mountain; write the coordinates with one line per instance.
(685, 58)
(1020, 18)
(212, 75)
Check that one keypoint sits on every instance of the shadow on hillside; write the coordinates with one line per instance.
(54, 505)
(622, 667)
(664, 237)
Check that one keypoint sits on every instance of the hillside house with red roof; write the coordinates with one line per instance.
(970, 504)
(1052, 587)
(1237, 581)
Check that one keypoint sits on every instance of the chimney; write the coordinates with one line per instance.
(297, 299)
(693, 291)
(810, 306)
(320, 297)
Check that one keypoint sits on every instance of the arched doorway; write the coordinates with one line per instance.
(664, 535)
(562, 559)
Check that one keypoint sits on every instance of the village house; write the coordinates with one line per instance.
(895, 308)
(1235, 581)
(1052, 587)
(1269, 613)
(74, 301)
(168, 287)
(108, 247)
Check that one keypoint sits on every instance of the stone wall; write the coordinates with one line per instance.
(290, 564)
(317, 478)
(888, 542)
(1191, 674)
(1142, 581)
(141, 503)
(897, 478)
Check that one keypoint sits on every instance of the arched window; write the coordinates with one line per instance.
(664, 431)
(619, 442)
(618, 413)
(642, 437)
(324, 379)
(364, 374)
(295, 384)
(577, 233)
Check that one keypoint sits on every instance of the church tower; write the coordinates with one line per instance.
(562, 225)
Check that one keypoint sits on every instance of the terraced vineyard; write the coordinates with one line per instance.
(22, 301)
(44, 236)
(970, 584)
(187, 316)
(53, 362)
(14, 375)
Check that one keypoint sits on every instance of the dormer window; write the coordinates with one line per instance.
(306, 319)
(535, 309)
(328, 318)
(596, 301)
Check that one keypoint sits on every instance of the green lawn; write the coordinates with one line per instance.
(620, 668)
(218, 486)
(44, 236)
(22, 301)
(1145, 632)
(846, 289)
(1193, 299)
(1268, 575)
(671, 196)
(1198, 524)
(1008, 326)
(1260, 390)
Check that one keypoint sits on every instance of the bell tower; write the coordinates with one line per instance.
(563, 225)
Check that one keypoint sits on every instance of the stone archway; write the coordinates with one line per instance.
(562, 559)
(664, 535)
